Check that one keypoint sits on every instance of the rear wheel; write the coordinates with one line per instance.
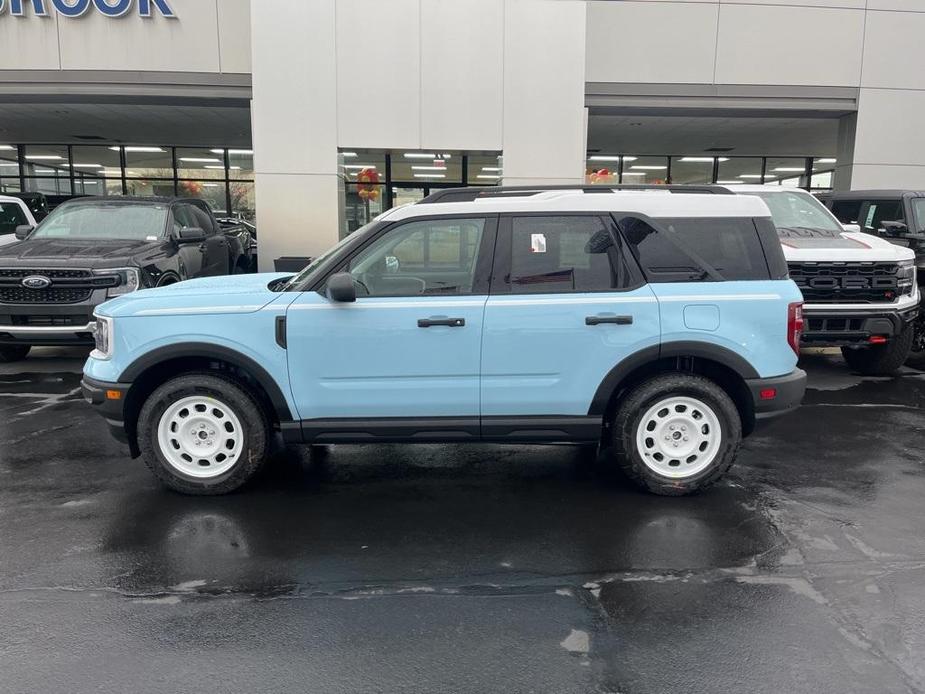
(10, 353)
(880, 360)
(202, 434)
(676, 434)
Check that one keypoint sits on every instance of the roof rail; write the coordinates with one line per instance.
(486, 192)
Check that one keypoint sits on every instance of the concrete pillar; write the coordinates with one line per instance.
(544, 135)
(294, 123)
(847, 132)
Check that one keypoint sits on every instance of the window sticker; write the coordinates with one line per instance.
(870, 217)
(537, 243)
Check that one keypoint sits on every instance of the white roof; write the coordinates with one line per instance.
(652, 203)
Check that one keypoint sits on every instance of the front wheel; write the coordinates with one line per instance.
(881, 360)
(10, 353)
(202, 433)
(676, 434)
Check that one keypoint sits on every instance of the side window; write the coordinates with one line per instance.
(11, 216)
(878, 211)
(564, 254)
(847, 211)
(183, 217)
(428, 257)
(203, 220)
(696, 248)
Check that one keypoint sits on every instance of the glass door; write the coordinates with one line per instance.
(403, 195)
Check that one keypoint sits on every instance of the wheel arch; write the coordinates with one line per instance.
(152, 369)
(721, 365)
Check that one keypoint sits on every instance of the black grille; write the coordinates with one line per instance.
(58, 274)
(846, 283)
(45, 321)
(52, 295)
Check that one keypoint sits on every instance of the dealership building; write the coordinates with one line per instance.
(315, 115)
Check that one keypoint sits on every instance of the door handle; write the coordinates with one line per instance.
(616, 320)
(449, 322)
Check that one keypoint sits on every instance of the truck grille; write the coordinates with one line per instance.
(846, 283)
(67, 286)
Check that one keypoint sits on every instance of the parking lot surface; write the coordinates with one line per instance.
(466, 569)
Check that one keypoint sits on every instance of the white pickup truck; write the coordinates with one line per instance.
(860, 291)
(13, 213)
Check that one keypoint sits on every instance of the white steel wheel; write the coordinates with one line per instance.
(200, 436)
(678, 437)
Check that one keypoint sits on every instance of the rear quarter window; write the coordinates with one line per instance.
(696, 249)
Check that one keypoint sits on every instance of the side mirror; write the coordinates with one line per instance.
(23, 230)
(894, 228)
(190, 235)
(341, 288)
(854, 228)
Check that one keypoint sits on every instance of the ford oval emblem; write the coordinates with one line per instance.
(36, 282)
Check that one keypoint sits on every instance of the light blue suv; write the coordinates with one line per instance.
(659, 326)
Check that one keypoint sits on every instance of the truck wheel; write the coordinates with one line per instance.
(676, 434)
(202, 433)
(880, 360)
(10, 353)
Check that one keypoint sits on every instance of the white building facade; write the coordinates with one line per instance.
(331, 95)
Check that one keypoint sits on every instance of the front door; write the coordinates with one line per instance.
(410, 345)
(565, 309)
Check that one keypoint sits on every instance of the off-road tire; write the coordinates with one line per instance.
(880, 360)
(629, 417)
(235, 396)
(11, 353)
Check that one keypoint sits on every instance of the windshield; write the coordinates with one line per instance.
(317, 262)
(105, 221)
(798, 211)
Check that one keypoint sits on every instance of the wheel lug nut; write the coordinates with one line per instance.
(685, 438)
(683, 428)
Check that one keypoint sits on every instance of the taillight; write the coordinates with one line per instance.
(795, 325)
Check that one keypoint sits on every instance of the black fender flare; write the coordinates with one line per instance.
(681, 348)
(206, 350)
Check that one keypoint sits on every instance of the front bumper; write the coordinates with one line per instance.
(828, 327)
(109, 400)
(778, 395)
(48, 325)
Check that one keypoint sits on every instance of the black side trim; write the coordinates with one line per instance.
(538, 429)
(210, 351)
(391, 429)
(789, 393)
(281, 331)
(112, 411)
(684, 348)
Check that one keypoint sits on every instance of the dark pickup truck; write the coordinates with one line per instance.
(89, 250)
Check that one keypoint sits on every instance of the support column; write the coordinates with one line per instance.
(544, 135)
(294, 124)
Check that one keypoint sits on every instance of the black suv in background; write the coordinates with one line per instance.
(89, 250)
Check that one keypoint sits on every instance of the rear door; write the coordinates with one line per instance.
(565, 308)
(216, 258)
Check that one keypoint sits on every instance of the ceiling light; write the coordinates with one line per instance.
(494, 177)
(750, 176)
(433, 175)
(491, 168)
(87, 166)
(419, 155)
(728, 183)
(44, 157)
(633, 173)
(200, 159)
(9, 164)
(230, 151)
(44, 171)
(826, 161)
(799, 169)
(428, 168)
(116, 172)
(210, 185)
(348, 154)
(649, 168)
(703, 159)
(138, 149)
(600, 157)
(7, 147)
(359, 166)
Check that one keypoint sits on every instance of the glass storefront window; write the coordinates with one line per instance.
(9, 185)
(823, 173)
(213, 192)
(362, 164)
(9, 161)
(786, 171)
(240, 163)
(47, 160)
(645, 169)
(692, 169)
(150, 187)
(199, 163)
(484, 169)
(604, 168)
(242, 200)
(427, 167)
(734, 170)
(363, 201)
(147, 161)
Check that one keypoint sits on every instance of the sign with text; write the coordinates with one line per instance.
(78, 8)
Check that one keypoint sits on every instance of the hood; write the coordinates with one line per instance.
(83, 253)
(823, 245)
(206, 295)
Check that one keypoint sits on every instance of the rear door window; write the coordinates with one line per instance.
(696, 248)
(875, 212)
(847, 211)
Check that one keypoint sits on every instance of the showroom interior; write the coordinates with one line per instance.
(313, 126)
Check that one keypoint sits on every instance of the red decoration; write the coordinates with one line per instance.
(368, 184)
(602, 176)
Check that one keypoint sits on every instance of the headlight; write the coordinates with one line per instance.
(906, 277)
(103, 337)
(129, 280)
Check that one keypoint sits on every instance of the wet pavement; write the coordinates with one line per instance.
(466, 569)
